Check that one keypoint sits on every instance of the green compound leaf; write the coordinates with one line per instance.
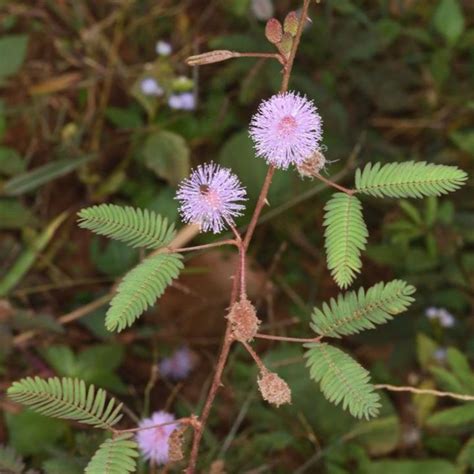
(135, 227)
(68, 399)
(140, 288)
(359, 310)
(342, 379)
(409, 179)
(114, 456)
(345, 236)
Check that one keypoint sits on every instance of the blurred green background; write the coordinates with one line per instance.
(93, 109)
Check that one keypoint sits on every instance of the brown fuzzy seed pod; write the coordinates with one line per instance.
(175, 444)
(244, 321)
(273, 31)
(312, 165)
(274, 389)
(290, 24)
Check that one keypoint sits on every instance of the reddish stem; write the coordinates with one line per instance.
(240, 272)
(288, 339)
(350, 192)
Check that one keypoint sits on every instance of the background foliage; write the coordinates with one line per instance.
(393, 81)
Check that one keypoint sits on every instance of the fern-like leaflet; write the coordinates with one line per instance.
(114, 456)
(342, 379)
(68, 399)
(345, 236)
(140, 288)
(135, 227)
(356, 311)
(408, 179)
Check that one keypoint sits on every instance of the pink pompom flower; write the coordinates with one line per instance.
(211, 197)
(179, 365)
(286, 129)
(153, 442)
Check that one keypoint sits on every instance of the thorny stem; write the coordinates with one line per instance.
(288, 339)
(228, 337)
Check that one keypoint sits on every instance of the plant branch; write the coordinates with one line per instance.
(239, 273)
(190, 420)
(350, 192)
(425, 391)
(254, 355)
(288, 339)
(202, 247)
(294, 48)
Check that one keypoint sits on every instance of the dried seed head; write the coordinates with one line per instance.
(291, 24)
(273, 31)
(244, 321)
(210, 57)
(175, 444)
(312, 165)
(274, 389)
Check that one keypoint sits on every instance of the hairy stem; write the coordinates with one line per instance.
(240, 271)
(255, 356)
(350, 192)
(288, 339)
(425, 391)
(204, 246)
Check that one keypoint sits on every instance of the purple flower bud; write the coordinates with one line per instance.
(178, 366)
(442, 315)
(163, 48)
(150, 86)
(153, 442)
(286, 129)
(175, 101)
(211, 197)
(188, 101)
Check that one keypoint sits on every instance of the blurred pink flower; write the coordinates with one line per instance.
(179, 365)
(153, 442)
(286, 129)
(211, 197)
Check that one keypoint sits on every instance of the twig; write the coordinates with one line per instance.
(67, 318)
(288, 339)
(204, 246)
(255, 356)
(425, 391)
(350, 192)
(185, 421)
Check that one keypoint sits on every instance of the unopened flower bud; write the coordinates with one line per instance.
(210, 57)
(175, 444)
(312, 165)
(244, 321)
(286, 44)
(273, 31)
(291, 24)
(274, 389)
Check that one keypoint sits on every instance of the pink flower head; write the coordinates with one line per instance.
(153, 442)
(211, 197)
(178, 366)
(286, 129)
